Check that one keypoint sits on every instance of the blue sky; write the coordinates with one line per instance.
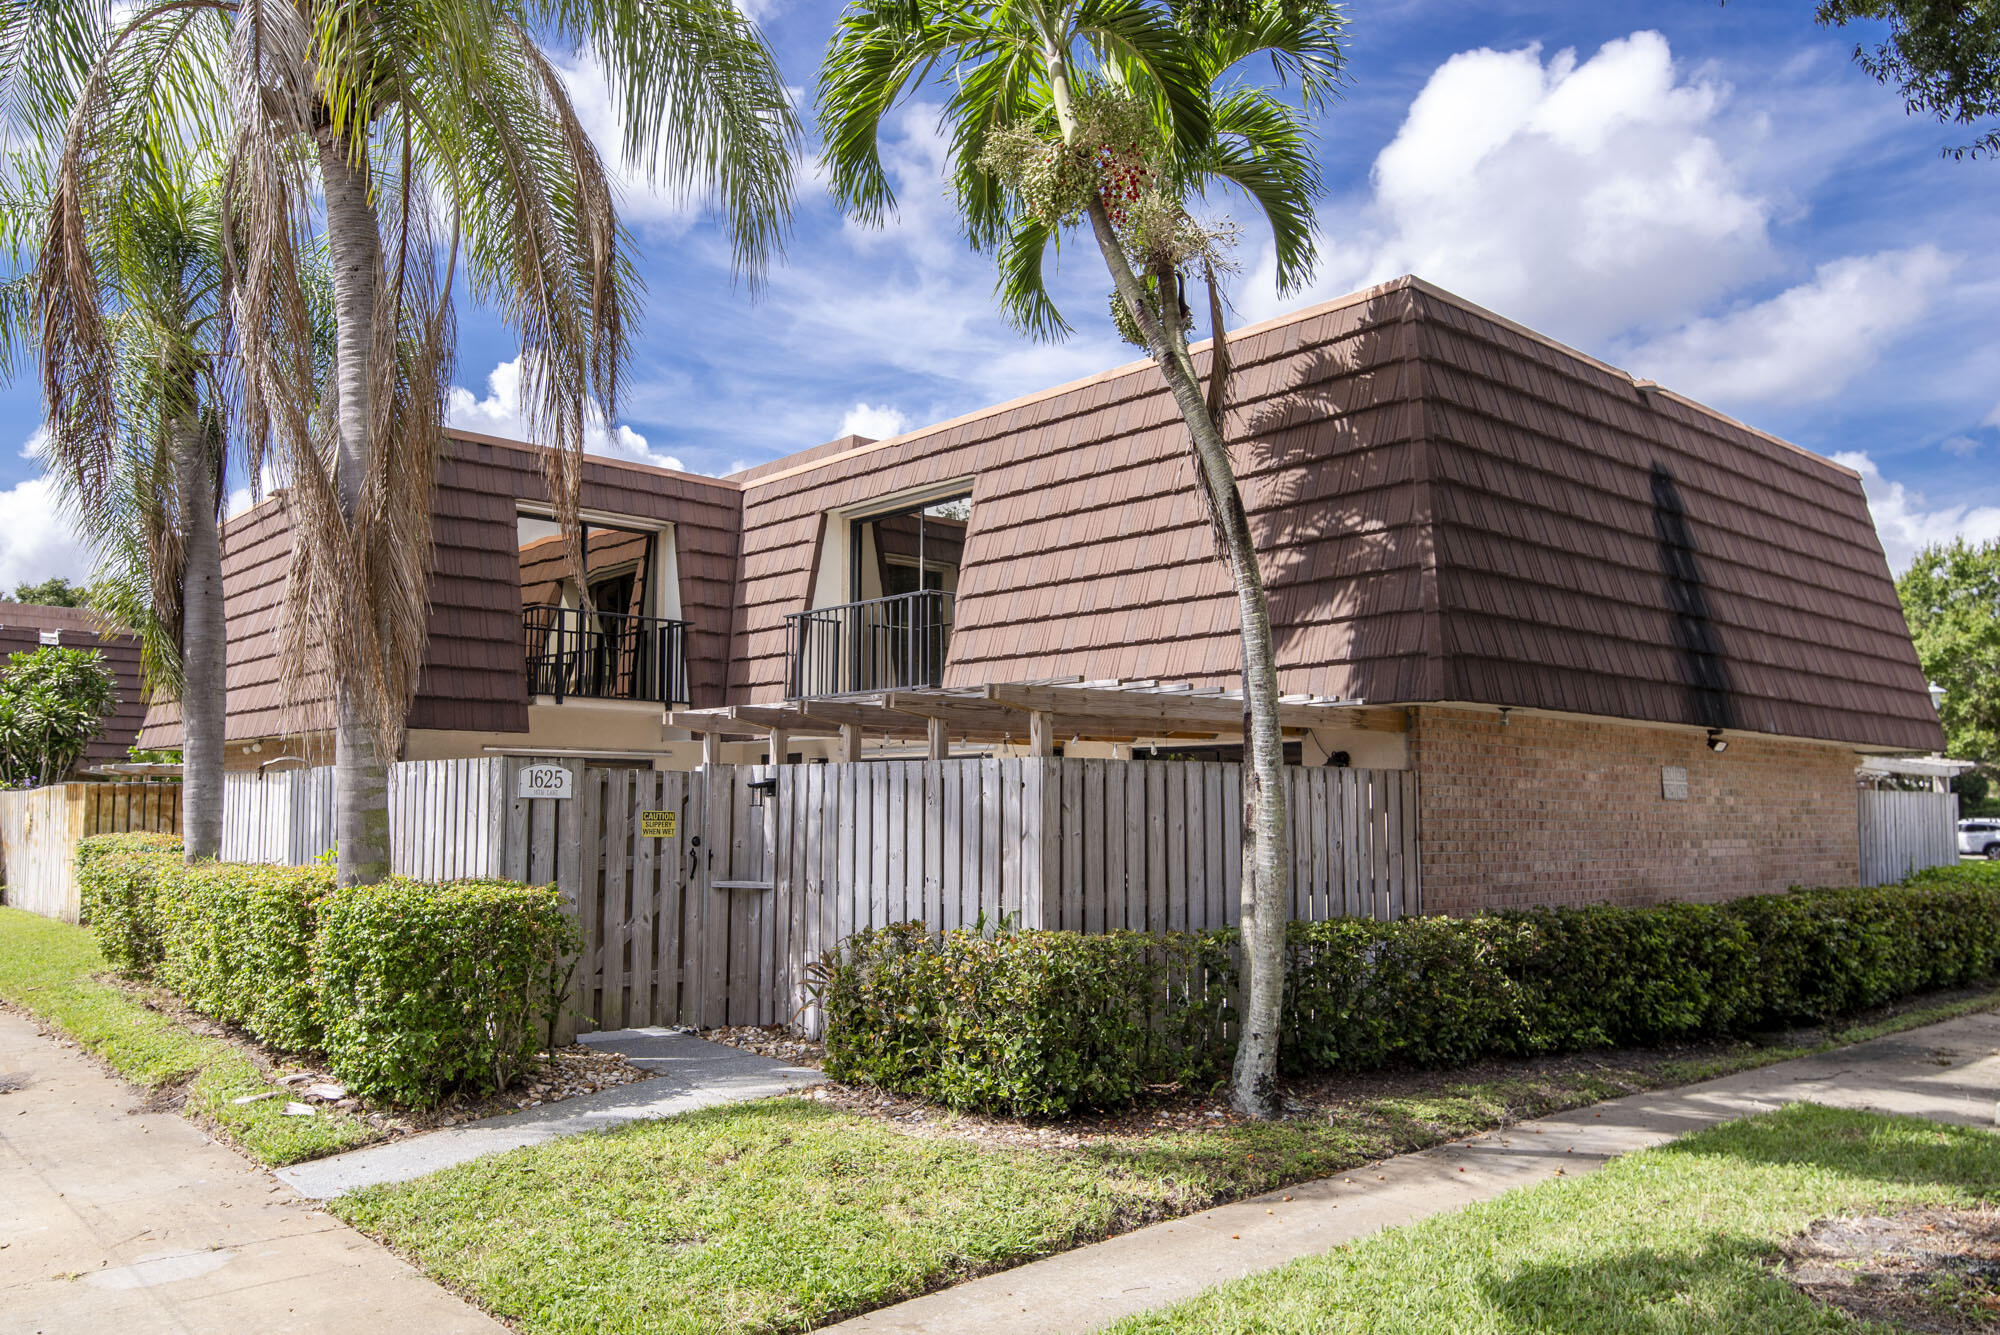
(1709, 195)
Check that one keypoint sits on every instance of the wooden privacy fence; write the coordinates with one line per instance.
(702, 897)
(40, 828)
(1905, 832)
(722, 932)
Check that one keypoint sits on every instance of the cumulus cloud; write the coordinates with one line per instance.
(1806, 343)
(1907, 522)
(1581, 197)
(499, 414)
(36, 540)
(875, 423)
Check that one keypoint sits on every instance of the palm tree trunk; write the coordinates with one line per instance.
(1266, 871)
(354, 238)
(204, 640)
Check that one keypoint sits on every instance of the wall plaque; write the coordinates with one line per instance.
(1673, 783)
(545, 781)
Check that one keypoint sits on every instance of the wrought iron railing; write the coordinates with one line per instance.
(884, 644)
(603, 655)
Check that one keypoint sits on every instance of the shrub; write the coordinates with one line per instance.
(1039, 1023)
(1032, 1023)
(238, 945)
(410, 990)
(428, 989)
(116, 875)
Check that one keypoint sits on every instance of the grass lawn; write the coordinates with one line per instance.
(775, 1215)
(784, 1215)
(1677, 1239)
(51, 969)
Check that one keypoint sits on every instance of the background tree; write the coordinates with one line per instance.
(1951, 598)
(53, 703)
(1942, 55)
(54, 591)
(1121, 115)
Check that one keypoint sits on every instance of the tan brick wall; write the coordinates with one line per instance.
(1559, 811)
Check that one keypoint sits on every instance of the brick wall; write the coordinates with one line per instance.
(1557, 811)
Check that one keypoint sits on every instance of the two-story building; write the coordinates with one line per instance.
(1631, 647)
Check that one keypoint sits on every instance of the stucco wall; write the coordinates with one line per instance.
(1547, 810)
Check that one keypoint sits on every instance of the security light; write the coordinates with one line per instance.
(1716, 741)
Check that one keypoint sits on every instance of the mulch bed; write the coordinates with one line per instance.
(1544, 1084)
(561, 1073)
(1936, 1271)
(1170, 1108)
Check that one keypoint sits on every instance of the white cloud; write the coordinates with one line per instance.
(1582, 198)
(1962, 446)
(874, 423)
(1904, 520)
(499, 414)
(36, 541)
(1806, 343)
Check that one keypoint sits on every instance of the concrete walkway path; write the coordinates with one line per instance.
(1948, 1071)
(694, 1073)
(117, 1219)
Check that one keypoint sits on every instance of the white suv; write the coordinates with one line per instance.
(1979, 835)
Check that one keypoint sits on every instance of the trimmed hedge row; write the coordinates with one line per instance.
(1033, 1022)
(412, 991)
(1038, 1023)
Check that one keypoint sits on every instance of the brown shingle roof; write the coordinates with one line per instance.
(1447, 507)
(21, 627)
(473, 677)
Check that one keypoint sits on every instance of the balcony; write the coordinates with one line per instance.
(603, 655)
(896, 643)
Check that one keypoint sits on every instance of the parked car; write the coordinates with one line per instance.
(1979, 836)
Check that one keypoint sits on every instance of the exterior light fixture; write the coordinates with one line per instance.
(759, 787)
(1716, 741)
(1505, 710)
(1937, 698)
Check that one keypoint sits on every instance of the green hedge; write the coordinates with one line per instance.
(1039, 1023)
(238, 944)
(429, 988)
(411, 991)
(116, 876)
(1033, 1022)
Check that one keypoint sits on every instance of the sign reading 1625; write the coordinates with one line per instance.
(545, 781)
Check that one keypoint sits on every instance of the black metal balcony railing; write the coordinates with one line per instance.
(884, 644)
(604, 655)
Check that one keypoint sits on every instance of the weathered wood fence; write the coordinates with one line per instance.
(1905, 832)
(703, 897)
(40, 827)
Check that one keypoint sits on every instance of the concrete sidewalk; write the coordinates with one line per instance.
(694, 1073)
(117, 1219)
(1948, 1071)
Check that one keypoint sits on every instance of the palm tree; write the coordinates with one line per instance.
(1121, 114)
(408, 138)
(118, 279)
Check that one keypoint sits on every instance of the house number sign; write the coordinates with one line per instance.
(545, 781)
(659, 824)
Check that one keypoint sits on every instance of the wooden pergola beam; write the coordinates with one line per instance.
(1182, 708)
